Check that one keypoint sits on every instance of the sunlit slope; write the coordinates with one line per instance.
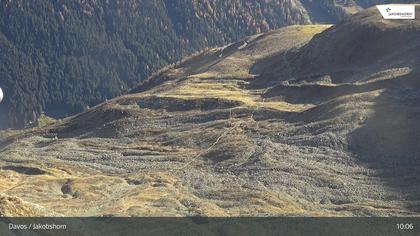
(224, 73)
(283, 123)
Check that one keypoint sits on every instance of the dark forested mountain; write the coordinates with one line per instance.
(60, 56)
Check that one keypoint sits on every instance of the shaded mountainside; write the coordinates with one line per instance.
(61, 57)
(247, 129)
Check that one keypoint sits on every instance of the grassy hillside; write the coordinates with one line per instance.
(240, 130)
(60, 57)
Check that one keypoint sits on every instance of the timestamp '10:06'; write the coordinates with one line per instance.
(405, 226)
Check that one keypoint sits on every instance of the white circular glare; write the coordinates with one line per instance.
(1, 95)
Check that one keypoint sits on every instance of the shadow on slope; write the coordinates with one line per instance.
(389, 142)
(318, 93)
(362, 45)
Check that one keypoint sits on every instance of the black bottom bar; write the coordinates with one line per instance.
(210, 226)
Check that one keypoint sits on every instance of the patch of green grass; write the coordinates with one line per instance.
(45, 120)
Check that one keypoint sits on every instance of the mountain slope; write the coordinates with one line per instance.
(61, 57)
(241, 130)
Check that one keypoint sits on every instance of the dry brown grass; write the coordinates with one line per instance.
(196, 161)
